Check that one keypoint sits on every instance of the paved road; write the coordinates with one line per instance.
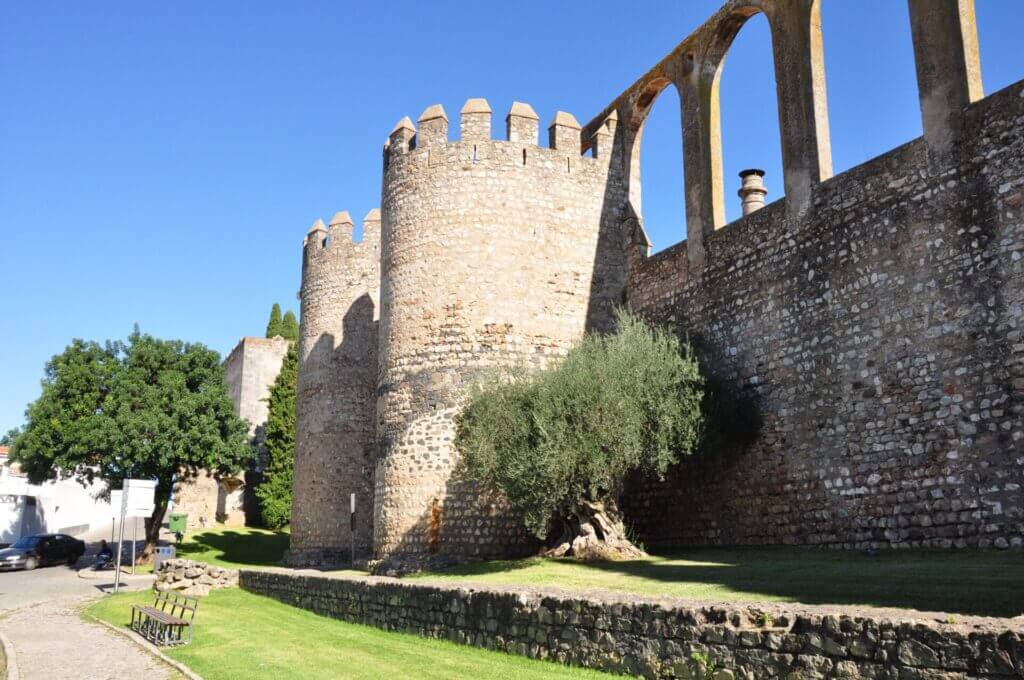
(22, 588)
(39, 615)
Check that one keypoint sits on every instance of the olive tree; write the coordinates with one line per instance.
(559, 444)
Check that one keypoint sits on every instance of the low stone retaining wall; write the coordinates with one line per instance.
(656, 638)
(193, 578)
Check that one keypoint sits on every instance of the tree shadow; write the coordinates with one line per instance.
(257, 548)
(488, 567)
(977, 583)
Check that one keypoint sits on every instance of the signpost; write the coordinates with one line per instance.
(137, 499)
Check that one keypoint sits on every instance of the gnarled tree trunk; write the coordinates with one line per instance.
(161, 499)
(595, 532)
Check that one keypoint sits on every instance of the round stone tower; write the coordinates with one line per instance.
(492, 252)
(335, 438)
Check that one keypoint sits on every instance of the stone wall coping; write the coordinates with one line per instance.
(476, 105)
(523, 110)
(433, 112)
(341, 217)
(564, 119)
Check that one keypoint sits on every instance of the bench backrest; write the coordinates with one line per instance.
(180, 606)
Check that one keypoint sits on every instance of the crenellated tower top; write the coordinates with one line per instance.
(339, 235)
(522, 126)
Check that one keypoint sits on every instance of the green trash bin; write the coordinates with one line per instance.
(178, 523)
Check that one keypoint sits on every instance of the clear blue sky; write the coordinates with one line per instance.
(161, 162)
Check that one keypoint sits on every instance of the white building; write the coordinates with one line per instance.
(61, 506)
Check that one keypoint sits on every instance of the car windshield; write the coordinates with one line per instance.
(27, 542)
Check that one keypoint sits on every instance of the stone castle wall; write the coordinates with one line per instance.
(493, 253)
(872, 349)
(862, 336)
(335, 396)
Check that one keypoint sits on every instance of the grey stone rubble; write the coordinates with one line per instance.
(655, 638)
(193, 578)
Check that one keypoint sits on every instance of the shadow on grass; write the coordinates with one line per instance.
(979, 583)
(253, 548)
(490, 567)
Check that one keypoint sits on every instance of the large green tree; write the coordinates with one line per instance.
(275, 491)
(274, 324)
(146, 408)
(560, 444)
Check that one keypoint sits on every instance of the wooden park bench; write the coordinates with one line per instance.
(167, 621)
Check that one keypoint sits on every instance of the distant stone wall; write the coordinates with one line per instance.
(656, 638)
(869, 355)
(249, 372)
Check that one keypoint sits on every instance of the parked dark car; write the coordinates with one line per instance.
(41, 549)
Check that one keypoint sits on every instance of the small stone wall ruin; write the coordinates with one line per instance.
(192, 578)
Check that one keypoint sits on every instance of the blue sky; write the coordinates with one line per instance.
(161, 162)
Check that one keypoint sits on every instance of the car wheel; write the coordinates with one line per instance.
(73, 560)
(31, 563)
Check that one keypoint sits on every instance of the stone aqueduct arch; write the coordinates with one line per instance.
(948, 72)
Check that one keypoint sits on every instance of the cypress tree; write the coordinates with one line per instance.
(274, 325)
(289, 326)
(275, 491)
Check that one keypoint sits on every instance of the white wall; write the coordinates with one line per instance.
(60, 506)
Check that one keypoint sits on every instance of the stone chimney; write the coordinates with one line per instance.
(752, 191)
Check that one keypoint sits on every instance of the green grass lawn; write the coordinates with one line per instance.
(235, 547)
(241, 636)
(978, 582)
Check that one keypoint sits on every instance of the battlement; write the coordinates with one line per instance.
(339, 235)
(522, 126)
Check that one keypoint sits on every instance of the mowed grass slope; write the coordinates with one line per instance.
(983, 583)
(241, 636)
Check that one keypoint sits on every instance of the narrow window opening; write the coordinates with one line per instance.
(568, 165)
(524, 156)
(872, 93)
(474, 153)
(657, 183)
(749, 114)
(1002, 60)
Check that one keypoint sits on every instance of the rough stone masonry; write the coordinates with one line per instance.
(656, 638)
(863, 334)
